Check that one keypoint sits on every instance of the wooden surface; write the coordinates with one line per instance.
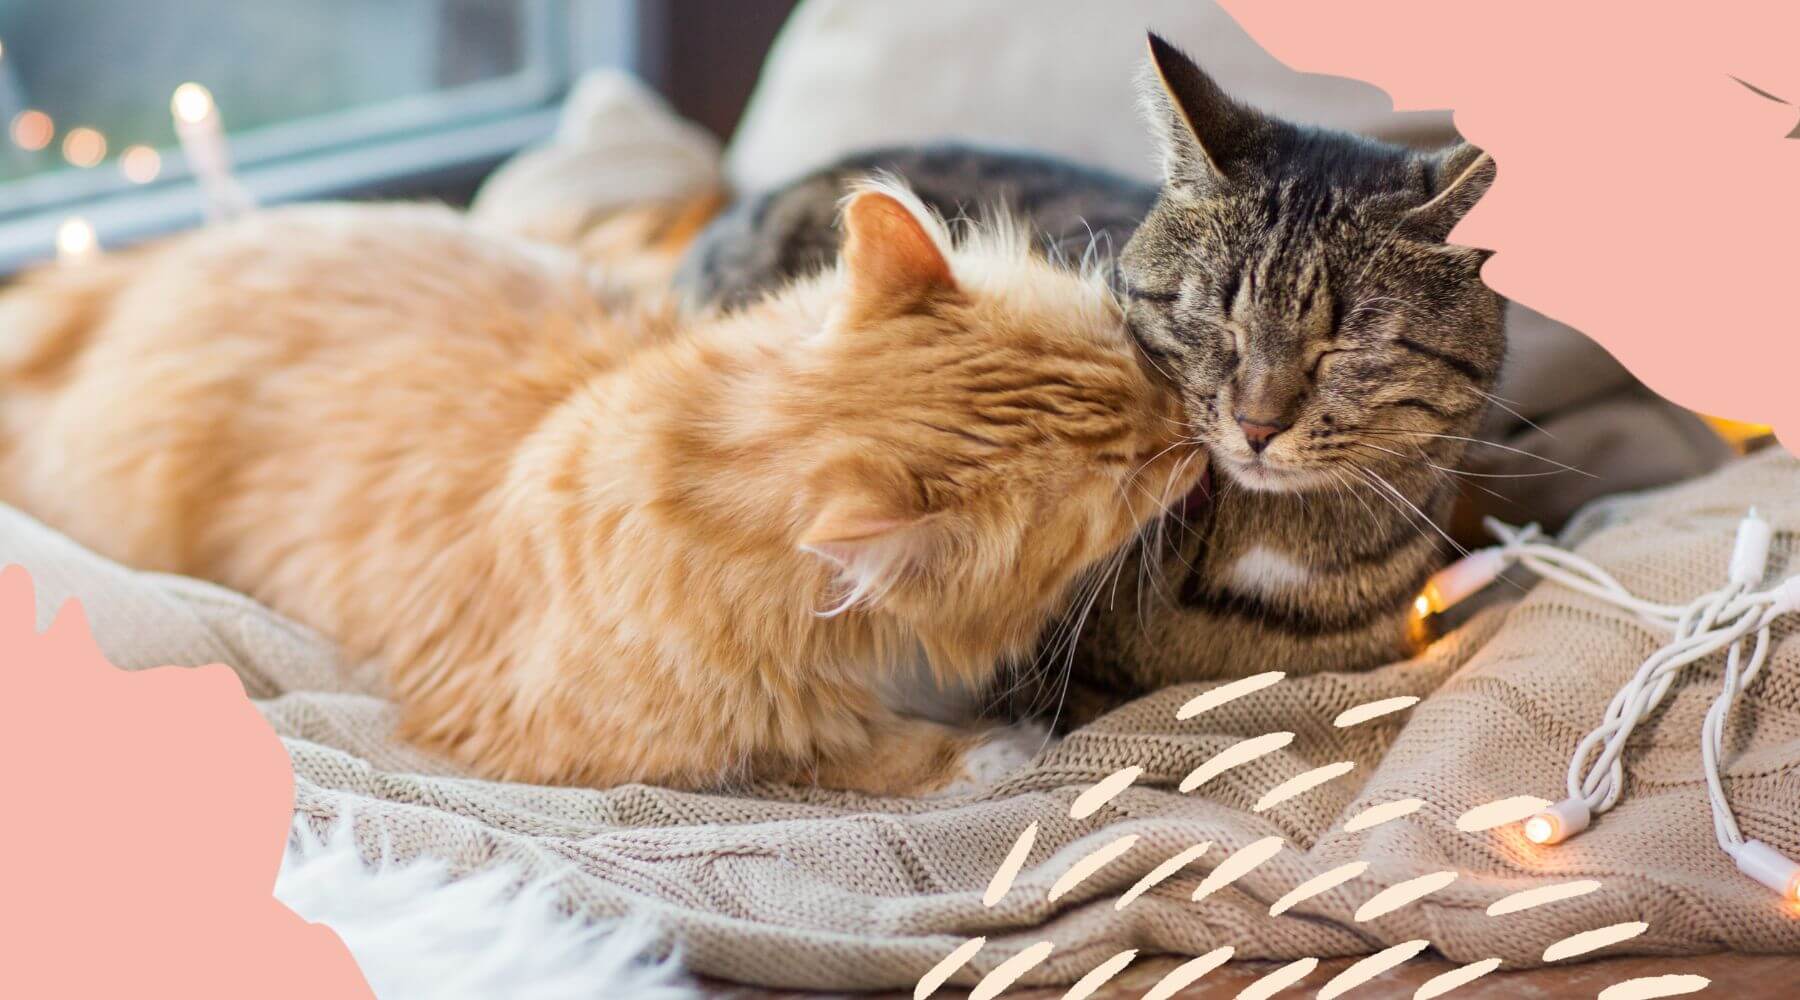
(1734, 977)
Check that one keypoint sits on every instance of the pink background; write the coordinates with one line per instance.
(146, 817)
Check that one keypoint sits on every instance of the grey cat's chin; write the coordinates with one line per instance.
(1265, 478)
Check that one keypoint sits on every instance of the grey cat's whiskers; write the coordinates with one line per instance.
(1444, 472)
(1348, 490)
(1368, 306)
(1376, 479)
(1359, 479)
(1146, 355)
(1503, 577)
(1406, 303)
(1364, 310)
(1461, 472)
(1502, 403)
(1470, 440)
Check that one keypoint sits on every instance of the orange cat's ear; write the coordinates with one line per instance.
(870, 539)
(892, 260)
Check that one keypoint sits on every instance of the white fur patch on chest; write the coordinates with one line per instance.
(1263, 570)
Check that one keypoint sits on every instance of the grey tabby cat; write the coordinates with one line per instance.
(1334, 354)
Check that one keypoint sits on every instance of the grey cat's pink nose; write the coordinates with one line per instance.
(1259, 434)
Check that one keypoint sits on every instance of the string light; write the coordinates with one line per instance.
(1718, 621)
(1449, 586)
(32, 130)
(191, 104)
(1559, 822)
(84, 147)
(140, 164)
(202, 133)
(76, 240)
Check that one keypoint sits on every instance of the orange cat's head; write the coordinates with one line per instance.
(987, 433)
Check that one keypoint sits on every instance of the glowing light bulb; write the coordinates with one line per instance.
(1539, 829)
(1448, 586)
(1559, 822)
(191, 103)
(32, 130)
(201, 130)
(76, 240)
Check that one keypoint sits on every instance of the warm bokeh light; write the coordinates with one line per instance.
(1422, 605)
(75, 239)
(84, 147)
(191, 103)
(1539, 829)
(32, 130)
(140, 164)
(1740, 433)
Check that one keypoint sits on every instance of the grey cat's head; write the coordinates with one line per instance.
(1296, 284)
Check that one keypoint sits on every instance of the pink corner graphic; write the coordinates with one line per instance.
(146, 818)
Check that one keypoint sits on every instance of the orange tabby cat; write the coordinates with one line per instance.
(597, 549)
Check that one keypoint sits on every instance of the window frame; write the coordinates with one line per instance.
(408, 146)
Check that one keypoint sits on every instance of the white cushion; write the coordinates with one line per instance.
(1053, 75)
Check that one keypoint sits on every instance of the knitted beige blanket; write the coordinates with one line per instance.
(803, 888)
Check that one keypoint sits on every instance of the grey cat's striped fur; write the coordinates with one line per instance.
(769, 239)
(1295, 284)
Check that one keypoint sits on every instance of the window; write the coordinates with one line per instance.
(315, 97)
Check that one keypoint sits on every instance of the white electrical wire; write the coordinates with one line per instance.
(1721, 620)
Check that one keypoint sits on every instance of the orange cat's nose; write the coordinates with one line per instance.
(1259, 434)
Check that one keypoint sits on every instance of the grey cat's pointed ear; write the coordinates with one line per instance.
(1203, 132)
(1460, 175)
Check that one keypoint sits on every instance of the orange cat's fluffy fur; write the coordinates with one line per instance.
(596, 549)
